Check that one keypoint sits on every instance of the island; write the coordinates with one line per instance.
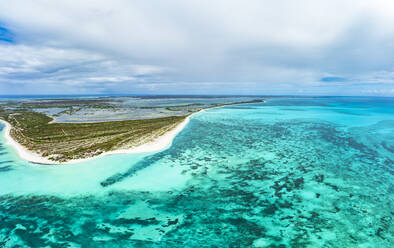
(34, 129)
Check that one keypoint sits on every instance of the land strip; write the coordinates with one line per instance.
(64, 142)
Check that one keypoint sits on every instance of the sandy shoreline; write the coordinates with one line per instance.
(162, 142)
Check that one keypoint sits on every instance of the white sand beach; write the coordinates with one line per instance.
(162, 142)
(21, 150)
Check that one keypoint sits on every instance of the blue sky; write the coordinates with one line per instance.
(5, 35)
(300, 47)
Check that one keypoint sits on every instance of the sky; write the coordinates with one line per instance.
(253, 47)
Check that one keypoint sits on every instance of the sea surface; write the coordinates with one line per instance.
(290, 172)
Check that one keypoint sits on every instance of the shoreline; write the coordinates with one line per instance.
(160, 143)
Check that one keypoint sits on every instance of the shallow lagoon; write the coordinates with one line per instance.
(129, 107)
(291, 172)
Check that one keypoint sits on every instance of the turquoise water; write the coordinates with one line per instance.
(291, 172)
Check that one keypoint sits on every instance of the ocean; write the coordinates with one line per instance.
(289, 172)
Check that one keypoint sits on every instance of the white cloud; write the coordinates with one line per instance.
(275, 45)
(110, 79)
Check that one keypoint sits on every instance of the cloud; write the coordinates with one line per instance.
(51, 70)
(229, 47)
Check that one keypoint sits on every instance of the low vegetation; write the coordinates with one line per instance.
(65, 141)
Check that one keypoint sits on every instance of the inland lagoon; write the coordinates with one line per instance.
(287, 172)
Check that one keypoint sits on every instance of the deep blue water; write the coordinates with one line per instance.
(291, 172)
